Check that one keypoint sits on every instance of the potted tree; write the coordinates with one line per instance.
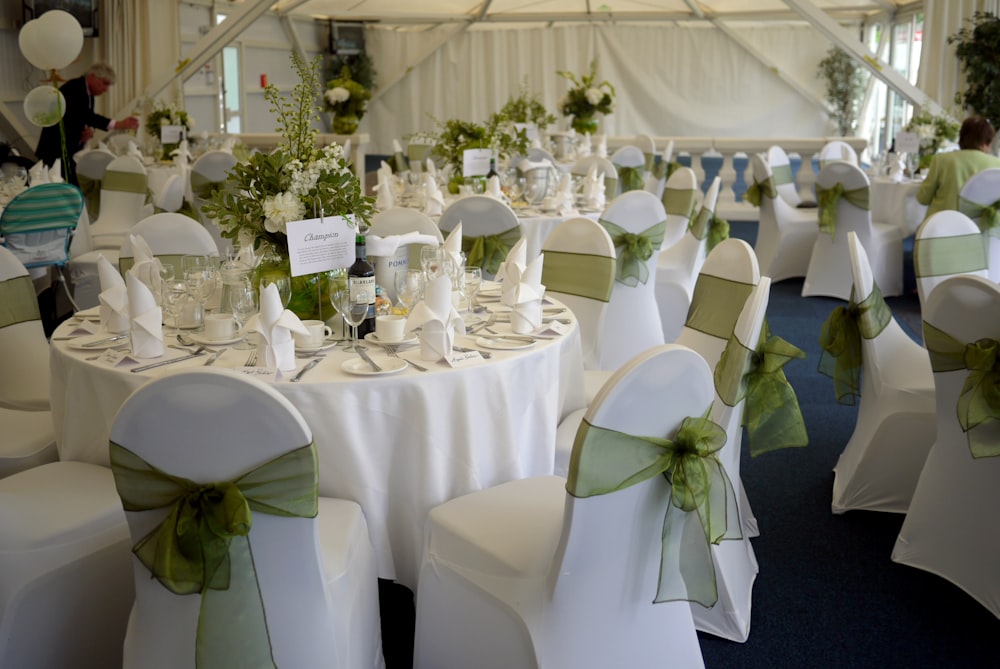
(845, 81)
(978, 53)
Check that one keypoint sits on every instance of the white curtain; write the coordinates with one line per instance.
(671, 79)
(940, 76)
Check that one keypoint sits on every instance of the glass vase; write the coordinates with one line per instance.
(345, 124)
(310, 292)
(585, 124)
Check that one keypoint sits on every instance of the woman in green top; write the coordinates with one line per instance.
(949, 171)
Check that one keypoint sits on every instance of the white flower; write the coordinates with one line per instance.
(337, 94)
(280, 209)
(594, 96)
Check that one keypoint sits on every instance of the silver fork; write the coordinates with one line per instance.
(392, 353)
(252, 359)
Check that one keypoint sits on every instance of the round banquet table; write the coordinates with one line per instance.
(398, 444)
(896, 203)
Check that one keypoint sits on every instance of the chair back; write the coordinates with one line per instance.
(483, 217)
(123, 194)
(37, 224)
(605, 167)
(979, 199)
(24, 351)
(171, 197)
(647, 145)
(537, 154)
(578, 268)
(607, 565)
(400, 221)
(680, 201)
(837, 150)
(630, 165)
(784, 180)
(90, 167)
(170, 236)
(208, 173)
(209, 426)
(947, 244)
(632, 323)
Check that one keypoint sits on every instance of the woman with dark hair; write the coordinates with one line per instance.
(949, 171)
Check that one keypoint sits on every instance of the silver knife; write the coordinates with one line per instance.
(309, 365)
(92, 344)
(364, 356)
(212, 358)
(197, 353)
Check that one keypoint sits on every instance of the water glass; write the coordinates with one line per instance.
(473, 280)
(409, 285)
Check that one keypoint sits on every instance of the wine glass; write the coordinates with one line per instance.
(281, 280)
(243, 300)
(409, 286)
(473, 281)
(432, 261)
(353, 307)
(199, 280)
(174, 294)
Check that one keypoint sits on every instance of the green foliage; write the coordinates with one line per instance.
(933, 131)
(978, 53)
(360, 66)
(346, 97)
(526, 108)
(455, 136)
(165, 114)
(587, 98)
(845, 81)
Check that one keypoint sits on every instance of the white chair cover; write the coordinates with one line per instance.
(983, 189)
(480, 215)
(90, 166)
(171, 197)
(951, 528)
(526, 575)
(631, 157)
(169, 234)
(677, 270)
(211, 167)
(784, 180)
(604, 166)
(316, 576)
(961, 250)
(837, 150)
(785, 235)
(828, 265)
(399, 221)
(879, 466)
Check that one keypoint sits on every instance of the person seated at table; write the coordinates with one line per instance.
(949, 171)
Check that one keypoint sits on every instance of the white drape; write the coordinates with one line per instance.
(940, 76)
(671, 79)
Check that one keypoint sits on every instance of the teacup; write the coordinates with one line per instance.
(390, 328)
(318, 331)
(220, 327)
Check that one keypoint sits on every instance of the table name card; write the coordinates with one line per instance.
(530, 130)
(320, 244)
(171, 134)
(113, 358)
(556, 327)
(463, 359)
(907, 142)
(476, 162)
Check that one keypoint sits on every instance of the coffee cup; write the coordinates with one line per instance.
(220, 327)
(390, 328)
(318, 331)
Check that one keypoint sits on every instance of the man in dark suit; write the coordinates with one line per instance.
(80, 121)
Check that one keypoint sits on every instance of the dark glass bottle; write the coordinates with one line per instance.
(493, 169)
(361, 276)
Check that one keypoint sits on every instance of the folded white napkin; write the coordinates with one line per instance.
(493, 189)
(146, 319)
(453, 244)
(146, 266)
(434, 198)
(522, 290)
(103, 146)
(593, 189)
(182, 154)
(133, 150)
(602, 146)
(563, 199)
(384, 198)
(896, 168)
(387, 246)
(430, 168)
(276, 348)
(668, 153)
(113, 297)
(38, 174)
(55, 172)
(437, 319)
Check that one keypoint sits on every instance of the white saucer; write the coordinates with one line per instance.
(410, 338)
(501, 344)
(92, 314)
(316, 349)
(359, 367)
(202, 339)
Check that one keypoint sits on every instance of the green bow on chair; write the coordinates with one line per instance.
(663, 169)
(986, 216)
(634, 249)
(979, 402)
(758, 189)
(718, 231)
(827, 199)
(771, 414)
(202, 545)
(701, 496)
(489, 251)
(631, 178)
(840, 339)
(91, 189)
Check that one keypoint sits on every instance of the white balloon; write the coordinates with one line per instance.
(32, 40)
(44, 106)
(64, 37)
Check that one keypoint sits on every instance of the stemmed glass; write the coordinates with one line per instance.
(432, 261)
(473, 281)
(409, 286)
(174, 295)
(199, 280)
(243, 300)
(353, 307)
(282, 281)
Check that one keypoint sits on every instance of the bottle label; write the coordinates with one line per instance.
(365, 283)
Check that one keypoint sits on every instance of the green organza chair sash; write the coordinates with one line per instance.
(680, 201)
(700, 224)
(633, 250)
(663, 170)
(782, 174)
(126, 182)
(840, 339)
(630, 178)
(979, 402)
(488, 251)
(582, 274)
(18, 303)
(941, 256)
(827, 199)
(91, 189)
(167, 260)
(701, 506)
(716, 304)
(610, 186)
(718, 231)
(771, 413)
(759, 190)
(986, 216)
(202, 545)
(202, 187)
(650, 160)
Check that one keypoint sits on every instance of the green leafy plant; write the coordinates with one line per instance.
(933, 131)
(297, 180)
(978, 53)
(361, 68)
(525, 107)
(586, 97)
(453, 137)
(845, 82)
(346, 97)
(163, 114)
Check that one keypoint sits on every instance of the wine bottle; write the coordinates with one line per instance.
(493, 168)
(361, 277)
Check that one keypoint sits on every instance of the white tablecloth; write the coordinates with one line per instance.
(896, 203)
(397, 444)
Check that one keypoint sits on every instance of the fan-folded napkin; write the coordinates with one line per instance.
(493, 189)
(434, 204)
(146, 319)
(593, 189)
(896, 168)
(562, 200)
(437, 319)
(113, 297)
(275, 324)
(146, 266)
(182, 154)
(38, 174)
(387, 246)
(134, 151)
(384, 199)
(521, 289)
(453, 245)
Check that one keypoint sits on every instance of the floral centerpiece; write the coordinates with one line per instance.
(297, 180)
(526, 108)
(164, 114)
(586, 99)
(454, 137)
(934, 133)
(348, 100)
